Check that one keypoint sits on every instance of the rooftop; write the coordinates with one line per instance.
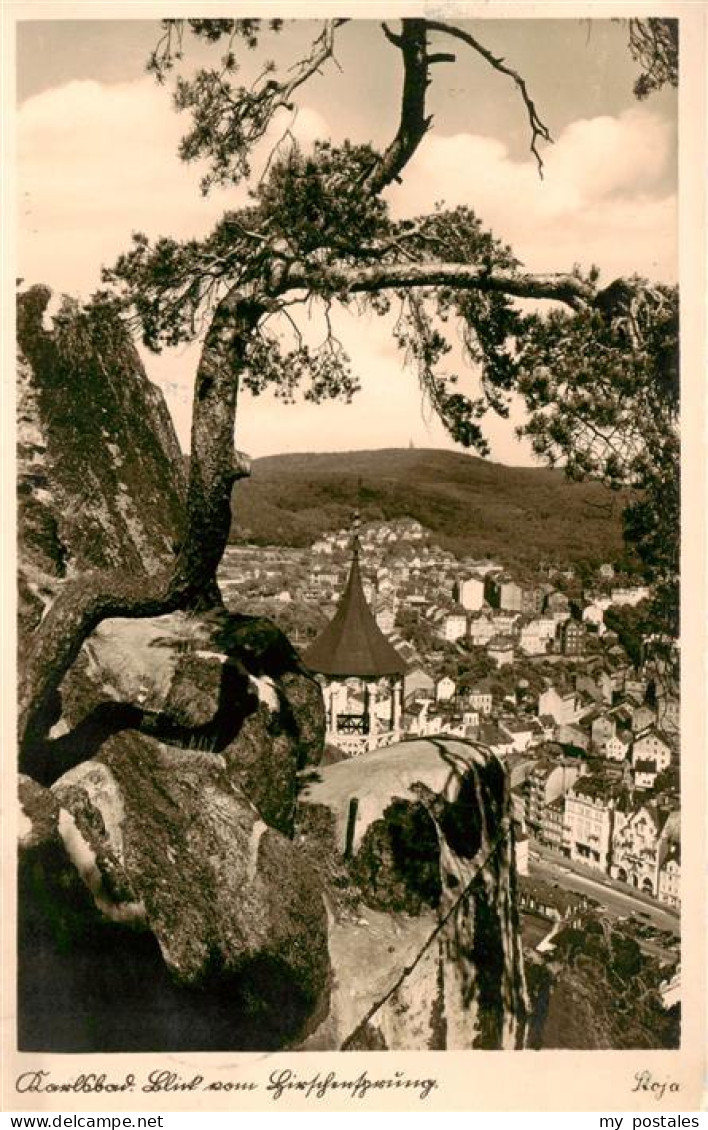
(352, 644)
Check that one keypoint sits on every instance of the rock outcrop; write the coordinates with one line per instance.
(163, 902)
(159, 911)
(431, 959)
(217, 682)
(187, 880)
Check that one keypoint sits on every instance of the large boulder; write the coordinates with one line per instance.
(214, 682)
(159, 910)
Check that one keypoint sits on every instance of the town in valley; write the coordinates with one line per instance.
(550, 671)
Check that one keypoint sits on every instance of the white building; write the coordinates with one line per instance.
(453, 627)
(633, 595)
(470, 593)
(650, 746)
(445, 689)
(521, 732)
(595, 617)
(618, 746)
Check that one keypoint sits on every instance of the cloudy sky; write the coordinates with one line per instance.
(97, 160)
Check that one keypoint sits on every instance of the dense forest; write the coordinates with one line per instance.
(518, 515)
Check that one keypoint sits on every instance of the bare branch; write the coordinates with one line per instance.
(391, 36)
(442, 57)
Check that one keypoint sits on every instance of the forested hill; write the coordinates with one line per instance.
(516, 514)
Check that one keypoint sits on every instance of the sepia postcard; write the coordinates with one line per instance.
(354, 579)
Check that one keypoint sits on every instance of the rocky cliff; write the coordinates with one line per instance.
(100, 479)
(178, 889)
(426, 950)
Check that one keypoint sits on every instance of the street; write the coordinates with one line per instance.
(617, 903)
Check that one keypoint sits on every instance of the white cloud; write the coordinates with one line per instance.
(96, 163)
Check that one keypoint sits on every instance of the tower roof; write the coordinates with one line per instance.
(352, 644)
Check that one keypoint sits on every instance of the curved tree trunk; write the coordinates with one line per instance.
(85, 601)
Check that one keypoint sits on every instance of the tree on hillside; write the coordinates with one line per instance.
(598, 368)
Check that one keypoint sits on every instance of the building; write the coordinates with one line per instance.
(565, 707)
(521, 848)
(635, 688)
(386, 616)
(618, 747)
(571, 733)
(501, 650)
(572, 637)
(557, 605)
(670, 876)
(453, 626)
(668, 713)
(594, 617)
(509, 595)
(503, 592)
(590, 819)
(356, 663)
(492, 736)
(481, 630)
(548, 726)
(603, 728)
(630, 595)
(532, 598)
(597, 683)
(521, 732)
(548, 780)
(481, 699)
(533, 640)
(536, 896)
(651, 746)
(643, 717)
(469, 592)
(445, 689)
(419, 683)
(552, 822)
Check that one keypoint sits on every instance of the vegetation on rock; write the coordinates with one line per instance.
(598, 372)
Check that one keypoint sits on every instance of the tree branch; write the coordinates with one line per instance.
(568, 289)
(538, 129)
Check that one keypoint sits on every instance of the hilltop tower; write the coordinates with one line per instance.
(360, 672)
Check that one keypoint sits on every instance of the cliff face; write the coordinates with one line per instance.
(438, 962)
(177, 889)
(100, 479)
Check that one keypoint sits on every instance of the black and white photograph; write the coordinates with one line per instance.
(348, 477)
